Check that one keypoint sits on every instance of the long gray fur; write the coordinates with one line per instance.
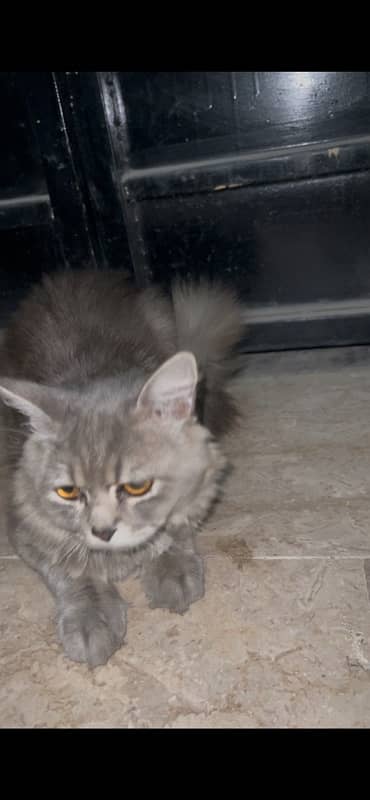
(94, 397)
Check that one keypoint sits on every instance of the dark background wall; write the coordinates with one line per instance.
(261, 179)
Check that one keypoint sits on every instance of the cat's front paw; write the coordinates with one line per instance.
(174, 581)
(93, 634)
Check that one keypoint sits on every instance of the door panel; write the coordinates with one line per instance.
(259, 179)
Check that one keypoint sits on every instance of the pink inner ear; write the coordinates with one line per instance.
(181, 409)
(177, 408)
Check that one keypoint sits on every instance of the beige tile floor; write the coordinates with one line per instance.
(282, 637)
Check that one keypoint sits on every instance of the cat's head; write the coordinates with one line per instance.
(116, 462)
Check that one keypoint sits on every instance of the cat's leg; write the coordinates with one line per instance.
(91, 614)
(175, 579)
(91, 619)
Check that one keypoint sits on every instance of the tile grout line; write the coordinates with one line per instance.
(257, 558)
(295, 558)
(9, 558)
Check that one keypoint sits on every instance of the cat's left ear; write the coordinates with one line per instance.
(170, 391)
(39, 404)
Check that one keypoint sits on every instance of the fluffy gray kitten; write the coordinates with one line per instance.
(114, 397)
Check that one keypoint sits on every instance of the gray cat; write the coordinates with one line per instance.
(114, 400)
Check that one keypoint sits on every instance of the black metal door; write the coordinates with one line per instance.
(261, 179)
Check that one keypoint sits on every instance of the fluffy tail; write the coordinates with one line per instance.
(209, 324)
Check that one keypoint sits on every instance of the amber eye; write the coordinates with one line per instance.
(137, 489)
(68, 492)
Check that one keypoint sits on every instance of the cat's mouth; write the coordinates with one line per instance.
(122, 537)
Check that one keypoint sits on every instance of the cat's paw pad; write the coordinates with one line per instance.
(174, 582)
(93, 634)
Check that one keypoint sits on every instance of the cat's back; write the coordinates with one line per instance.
(84, 324)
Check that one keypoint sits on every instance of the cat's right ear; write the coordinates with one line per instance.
(39, 404)
(170, 392)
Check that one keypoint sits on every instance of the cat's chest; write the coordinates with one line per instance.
(117, 566)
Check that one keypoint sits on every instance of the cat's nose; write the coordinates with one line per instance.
(104, 533)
